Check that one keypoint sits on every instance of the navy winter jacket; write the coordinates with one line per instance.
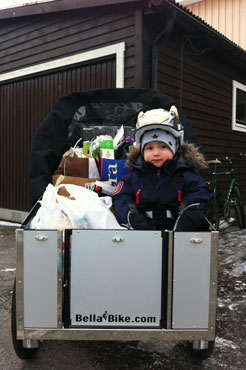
(189, 187)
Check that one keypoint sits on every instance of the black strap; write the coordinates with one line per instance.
(169, 188)
(150, 187)
(160, 203)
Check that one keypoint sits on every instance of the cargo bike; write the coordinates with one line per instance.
(126, 285)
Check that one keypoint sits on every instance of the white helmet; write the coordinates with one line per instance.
(160, 119)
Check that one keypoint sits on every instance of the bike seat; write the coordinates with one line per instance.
(214, 161)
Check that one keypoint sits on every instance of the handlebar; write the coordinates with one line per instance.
(229, 159)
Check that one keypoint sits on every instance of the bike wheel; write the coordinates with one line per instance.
(21, 351)
(236, 205)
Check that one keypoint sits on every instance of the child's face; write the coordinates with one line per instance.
(157, 153)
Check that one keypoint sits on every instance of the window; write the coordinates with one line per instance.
(238, 106)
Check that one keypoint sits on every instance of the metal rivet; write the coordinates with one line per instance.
(196, 240)
(41, 238)
(117, 239)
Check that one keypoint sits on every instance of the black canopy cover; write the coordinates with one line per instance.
(86, 114)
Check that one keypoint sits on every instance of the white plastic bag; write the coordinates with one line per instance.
(50, 215)
(83, 208)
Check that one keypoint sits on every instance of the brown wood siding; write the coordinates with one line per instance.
(201, 82)
(37, 39)
(27, 41)
(23, 106)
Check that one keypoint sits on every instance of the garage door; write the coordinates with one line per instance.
(23, 105)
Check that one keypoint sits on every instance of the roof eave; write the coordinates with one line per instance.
(204, 25)
(57, 6)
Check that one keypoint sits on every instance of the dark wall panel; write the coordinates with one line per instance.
(40, 38)
(201, 83)
(27, 41)
(23, 106)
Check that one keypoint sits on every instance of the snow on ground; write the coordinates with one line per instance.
(8, 270)
(6, 223)
(221, 342)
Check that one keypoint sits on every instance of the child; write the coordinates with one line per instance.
(164, 189)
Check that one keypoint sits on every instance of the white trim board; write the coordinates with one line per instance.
(17, 3)
(236, 126)
(188, 2)
(117, 49)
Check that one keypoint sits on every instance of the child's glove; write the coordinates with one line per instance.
(190, 220)
(138, 221)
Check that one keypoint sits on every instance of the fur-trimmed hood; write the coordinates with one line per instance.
(189, 156)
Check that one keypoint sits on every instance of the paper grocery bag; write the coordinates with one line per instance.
(78, 167)
(61, 179)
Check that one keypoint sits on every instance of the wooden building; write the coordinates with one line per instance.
(51, 49)
(226, 16)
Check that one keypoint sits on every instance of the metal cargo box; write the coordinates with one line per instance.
(191, 280)
(116, 278)
(116, 285)
(39, 277)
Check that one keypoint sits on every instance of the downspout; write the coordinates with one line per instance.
(154, 49)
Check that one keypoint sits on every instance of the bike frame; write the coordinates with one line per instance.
(217, 193)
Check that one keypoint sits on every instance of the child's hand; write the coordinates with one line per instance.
(138, 221)
(190, 220)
